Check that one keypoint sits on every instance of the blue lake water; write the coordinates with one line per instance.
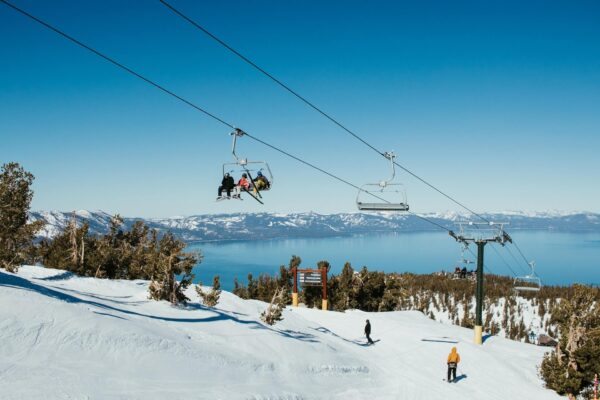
(561, 258)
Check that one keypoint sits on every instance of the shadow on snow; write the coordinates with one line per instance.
(357, 342)
(10, 280)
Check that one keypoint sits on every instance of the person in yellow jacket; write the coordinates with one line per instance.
(453, 360)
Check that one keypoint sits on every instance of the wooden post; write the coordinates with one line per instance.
(324, 283)
(295, 288)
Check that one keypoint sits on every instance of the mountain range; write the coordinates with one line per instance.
(257, 226)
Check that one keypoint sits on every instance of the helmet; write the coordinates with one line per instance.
(244, 175)
(259, 173)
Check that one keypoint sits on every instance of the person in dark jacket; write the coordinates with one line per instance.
(368, 332)
(227, 184)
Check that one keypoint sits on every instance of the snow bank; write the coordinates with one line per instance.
(66, 337)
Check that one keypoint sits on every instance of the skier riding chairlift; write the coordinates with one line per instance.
(244, 166)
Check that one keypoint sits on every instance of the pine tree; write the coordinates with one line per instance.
(340, 297)
(252, 288)
(171, 261)
(16, 234)
(111, 250)
(274, 311)
(210, 299)
(570, 368)
(67, 250)
(284, 281)
(239, 289)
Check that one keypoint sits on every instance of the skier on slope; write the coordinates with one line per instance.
(368, 332)
(453, 360)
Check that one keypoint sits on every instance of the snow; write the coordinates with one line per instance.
(67, 337)
(253, 226)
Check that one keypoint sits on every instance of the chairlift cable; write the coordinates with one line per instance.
(521, 253)
(430, 221)
(198, 108)
(504, 260)
(319, 110)
(484, 266)
(517, 260)
(267, 74)
(171, 93)
(311, 105)
(118, 64)
(311, 165)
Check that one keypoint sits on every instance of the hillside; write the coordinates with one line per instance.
(254, 226)
(69, 337)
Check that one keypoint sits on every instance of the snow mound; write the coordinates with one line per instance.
(67, 337)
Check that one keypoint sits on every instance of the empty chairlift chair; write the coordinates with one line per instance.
(384, 195)
(528, 283)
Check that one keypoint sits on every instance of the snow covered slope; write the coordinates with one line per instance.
(66, 337)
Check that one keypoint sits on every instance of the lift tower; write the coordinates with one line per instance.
(480, 233)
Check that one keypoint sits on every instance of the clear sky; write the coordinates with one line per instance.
(497, 103)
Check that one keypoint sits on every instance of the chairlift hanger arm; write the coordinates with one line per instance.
(237, 132)
(390, 155)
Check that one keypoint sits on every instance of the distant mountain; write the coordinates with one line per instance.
(256, 226)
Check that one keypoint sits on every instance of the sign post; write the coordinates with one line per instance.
(310, 277)
(295, 287)
(324, 282)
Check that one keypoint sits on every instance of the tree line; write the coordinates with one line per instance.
(137, 253)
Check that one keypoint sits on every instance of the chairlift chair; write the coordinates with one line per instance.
(383, 196)
(464, 260)
(250, 168)
(528, 283)
(242, 165)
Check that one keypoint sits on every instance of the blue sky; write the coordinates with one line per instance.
(497, 104)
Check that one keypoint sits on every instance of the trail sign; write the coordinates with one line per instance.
(310, 278)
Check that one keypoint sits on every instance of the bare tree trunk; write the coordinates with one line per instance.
(574, 342)
(81, 258)
(72, 228)
(171, 278)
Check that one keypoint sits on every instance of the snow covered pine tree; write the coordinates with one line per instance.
(210, 299)
(273, 312)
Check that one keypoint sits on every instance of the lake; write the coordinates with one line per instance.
(561, 258)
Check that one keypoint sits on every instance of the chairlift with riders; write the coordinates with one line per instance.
(258, 173)
(461, 271)
(388, 195)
